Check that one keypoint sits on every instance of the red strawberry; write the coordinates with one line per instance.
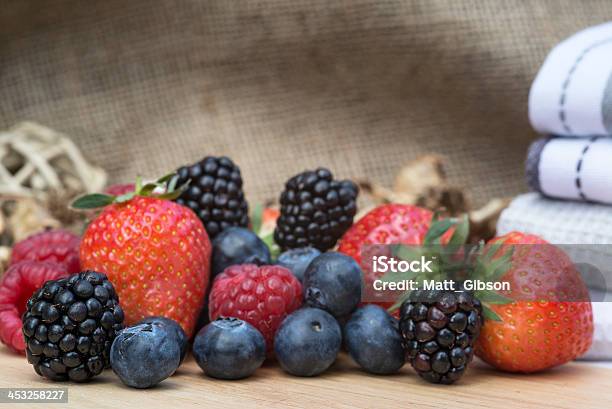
(386, 224)
(155, 252)
(269, 216)
(59, 246)
(550, 321)
(18, 284)
(262, 296)
(118, 190)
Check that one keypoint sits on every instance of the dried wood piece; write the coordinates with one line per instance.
(483, 221)
(421, 182)
(420, 175)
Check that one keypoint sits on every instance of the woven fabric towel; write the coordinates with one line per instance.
(583, 230)
(571, 168)
(572, 93)
(602, 336)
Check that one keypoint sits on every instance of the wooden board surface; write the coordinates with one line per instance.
(571, 386)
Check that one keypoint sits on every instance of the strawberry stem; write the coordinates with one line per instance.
(163, 188)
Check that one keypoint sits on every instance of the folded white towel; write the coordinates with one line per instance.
(583, 230)
(572, 93)
(571, 168)
(602, 335)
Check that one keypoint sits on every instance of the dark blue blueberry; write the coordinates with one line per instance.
(229, 348)
(373, 340)
(173, 328)
(143, 355)
(332, 282)
(237, 245)
(307, 342)
(297, 260)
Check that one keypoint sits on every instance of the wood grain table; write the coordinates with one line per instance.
(575, 385)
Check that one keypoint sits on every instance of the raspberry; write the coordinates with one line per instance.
(17, 285)
(262, 296)
(118, 190)
(59, 246)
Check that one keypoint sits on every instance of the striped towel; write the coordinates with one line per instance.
(572, 92)
(571, 168)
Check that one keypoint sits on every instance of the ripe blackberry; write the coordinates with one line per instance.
(69, 326)
(439, 329)
(214, 193)
(315, 210)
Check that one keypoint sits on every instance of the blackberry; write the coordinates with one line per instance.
(439, 329)
(69, 326)
(315, 210)
(214, 193)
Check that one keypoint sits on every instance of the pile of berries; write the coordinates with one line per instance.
(160, 254)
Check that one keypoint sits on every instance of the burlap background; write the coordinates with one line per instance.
(359, 86)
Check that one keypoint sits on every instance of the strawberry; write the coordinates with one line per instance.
(268, 220)
(386, 224)
(549, 320)
(154, 251)
(263, 222)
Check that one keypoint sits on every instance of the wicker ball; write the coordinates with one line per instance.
(36, 161)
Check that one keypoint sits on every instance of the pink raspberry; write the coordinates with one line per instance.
(18, 284)
(260, 295)
(118, 190)
(58, 246)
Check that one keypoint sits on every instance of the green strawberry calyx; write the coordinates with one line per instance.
(456, 260)
(163, 188)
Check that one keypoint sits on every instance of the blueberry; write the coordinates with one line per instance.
(373, 340)
(237, 245)
(332, 282)
(307, 342)
(144, 355)
(297, 260)
(173, 328)
(229, 348)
